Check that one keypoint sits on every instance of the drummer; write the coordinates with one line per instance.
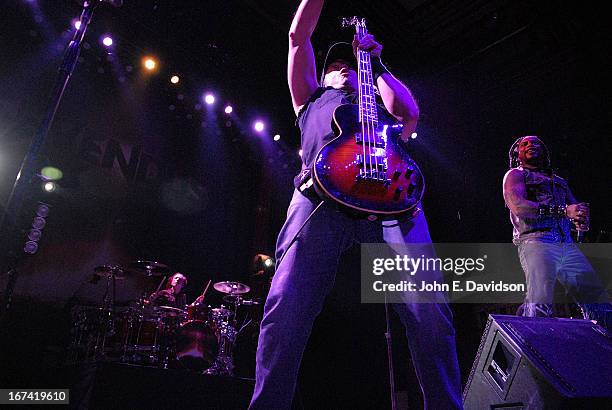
(172, 295)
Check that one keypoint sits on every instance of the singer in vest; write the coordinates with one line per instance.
(542, 210)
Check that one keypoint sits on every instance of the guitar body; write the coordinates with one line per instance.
(368, 172)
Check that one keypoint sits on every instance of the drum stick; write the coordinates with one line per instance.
(200, 298)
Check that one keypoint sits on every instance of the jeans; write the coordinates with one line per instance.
(544, 263)
(305, 275)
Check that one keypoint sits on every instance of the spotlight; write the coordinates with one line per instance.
(258, 126)
(413, 135)
(174, 79)
(276, 137)
(76, 23)
(261, 263)
(209, 99)
(51, 173)
(49, 186)
(229, 109)
(149, 63)
(300, 153)
(107, 41)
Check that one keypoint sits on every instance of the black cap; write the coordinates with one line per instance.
(338, 51)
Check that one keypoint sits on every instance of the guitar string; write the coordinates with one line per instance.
(372, 108)
(365, 105)
(363, 172)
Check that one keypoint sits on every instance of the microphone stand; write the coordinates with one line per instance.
(11, 218)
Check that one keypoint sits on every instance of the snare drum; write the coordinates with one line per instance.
(198, 311)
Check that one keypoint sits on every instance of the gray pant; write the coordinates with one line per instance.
(545, 263)
(306, 275)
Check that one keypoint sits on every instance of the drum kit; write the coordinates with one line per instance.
(196, 336)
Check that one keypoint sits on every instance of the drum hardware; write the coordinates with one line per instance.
(224, 321)
(199, 337)
(106, 327)
(150, 268)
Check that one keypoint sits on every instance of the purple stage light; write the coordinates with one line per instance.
(413, 135)
(258, 126)
(76, 23)
(175, 79)
(229, 109)
(107, 41)
(209, 99)
(276, 137)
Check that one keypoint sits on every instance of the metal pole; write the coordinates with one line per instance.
(10, 220)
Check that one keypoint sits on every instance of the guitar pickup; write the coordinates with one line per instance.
(372, 162)
(373, 141)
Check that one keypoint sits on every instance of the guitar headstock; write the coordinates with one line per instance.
(358, 23)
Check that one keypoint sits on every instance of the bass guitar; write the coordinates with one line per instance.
(366, 168)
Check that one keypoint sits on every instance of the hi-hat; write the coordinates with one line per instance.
(232, 298)
(151, 268)
(108, 271)
(117, 270)
(233, 288)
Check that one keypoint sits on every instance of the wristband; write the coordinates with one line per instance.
(559, 211)
(378, 68)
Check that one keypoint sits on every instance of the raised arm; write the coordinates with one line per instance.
(397, 98)
(301, 65)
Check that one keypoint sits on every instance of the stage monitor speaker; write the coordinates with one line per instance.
(541, 363)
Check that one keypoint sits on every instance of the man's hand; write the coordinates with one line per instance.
(578, 212)
(367, 43)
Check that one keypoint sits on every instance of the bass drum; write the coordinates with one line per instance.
(197, 345)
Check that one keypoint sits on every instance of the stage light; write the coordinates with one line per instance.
(229, 109)
(276, 137)
(413, 135)
(175, 79)
(50, 186)
(107, 41)
(149, 63)
(38, 224)
(209, 99)
(76, 23)
(300, 153)
(262, 263)
(51, 174)
(258, 126)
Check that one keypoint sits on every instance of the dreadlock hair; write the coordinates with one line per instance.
(513, 160)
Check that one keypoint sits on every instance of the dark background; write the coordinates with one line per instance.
(151, 173)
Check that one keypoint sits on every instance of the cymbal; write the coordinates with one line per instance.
(110, 269)
(233, 288)
(152, 268)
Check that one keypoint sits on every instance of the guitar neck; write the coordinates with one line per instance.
(367, 97)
